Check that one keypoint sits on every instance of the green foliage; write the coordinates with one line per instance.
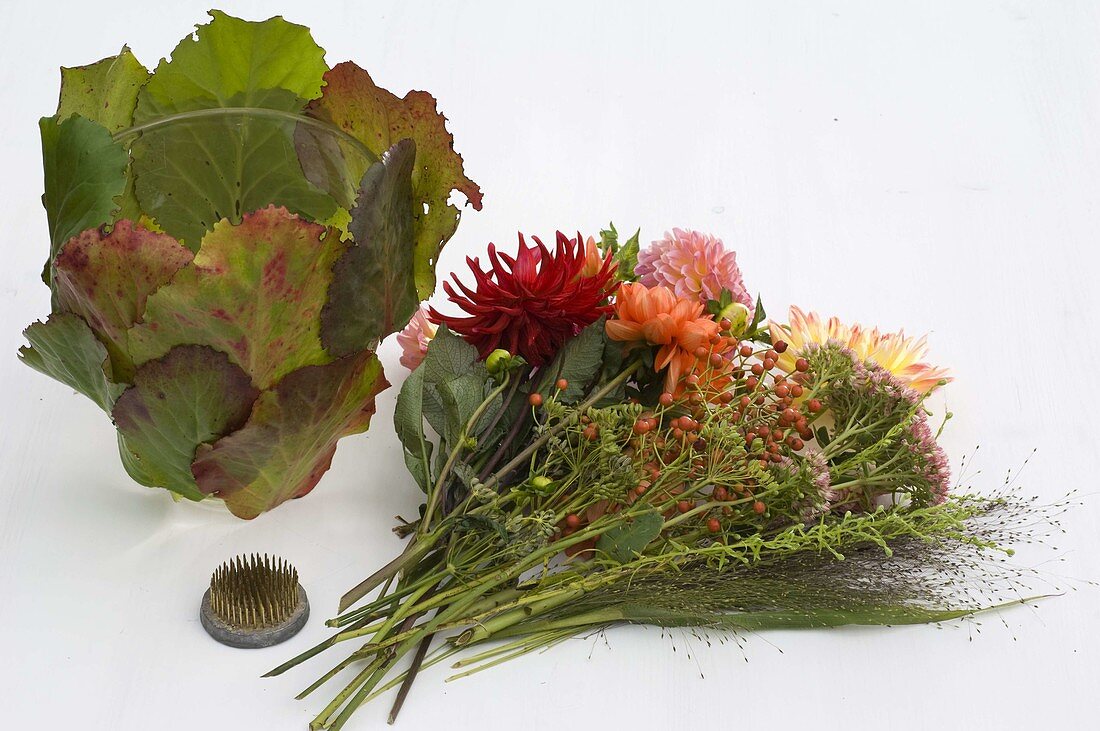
(191, 396)
(372, 292)
(408, 420)
(198, 169)
(85, 170)
(65, 348)
(626, 540)
(626, 254)
(105, 92)
(579, 362)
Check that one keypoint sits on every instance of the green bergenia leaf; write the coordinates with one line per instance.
(290, 437)
(104, 92)
(85, 170)
(192, 395)
(379, 119)
(107, 277)
(65, 348)
(372, 292)
(254, 291)
(195, 170)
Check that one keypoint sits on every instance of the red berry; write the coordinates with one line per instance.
(692, 380)
(572, 521)
(701, 352)
(535, 400)
(713, 525)
(759, 507)
(813, 405)
(750, 383)
(745, 401)
(665, 399)
(716, 360)
(757, 369)
(780, 346)
(641, 426)
(562, 384)
(683, 506)
(796, 390)
(802, 365)
(746, 351)
(782, 390)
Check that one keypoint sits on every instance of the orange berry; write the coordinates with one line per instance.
(759, 507)
(562, 384)
(535, 400)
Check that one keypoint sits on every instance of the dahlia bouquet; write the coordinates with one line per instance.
(608, 435)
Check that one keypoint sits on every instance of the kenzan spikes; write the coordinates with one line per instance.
(254, 601)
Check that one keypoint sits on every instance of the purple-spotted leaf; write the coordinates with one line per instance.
(192, 395)
(254, 291)
(65, 348)
(290, 437)
(354, 103)
(372, 292)
(107, 277)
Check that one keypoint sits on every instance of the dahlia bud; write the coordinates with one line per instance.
(541, 484)
(738, 315)
(498, 361)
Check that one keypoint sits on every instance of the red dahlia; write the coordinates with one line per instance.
(531, 304)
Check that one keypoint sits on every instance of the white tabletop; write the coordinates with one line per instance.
(928, 165)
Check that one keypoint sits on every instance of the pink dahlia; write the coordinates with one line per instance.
(414, 339)
(694, 265)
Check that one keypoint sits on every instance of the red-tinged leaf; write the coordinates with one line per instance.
(372, 292)
(192, 395)
(288, 441)
(254, 291)
(106, 278)
(377, 118)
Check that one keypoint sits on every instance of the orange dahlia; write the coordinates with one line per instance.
(656, 316)
(532, 303)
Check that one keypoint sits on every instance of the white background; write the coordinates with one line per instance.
(933, 165)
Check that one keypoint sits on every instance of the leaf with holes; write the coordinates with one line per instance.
(378, 119)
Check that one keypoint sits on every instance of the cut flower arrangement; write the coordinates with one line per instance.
(606, 435)
(602, 433)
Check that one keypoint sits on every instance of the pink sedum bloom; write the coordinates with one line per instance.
(414, 339)
(694, 265)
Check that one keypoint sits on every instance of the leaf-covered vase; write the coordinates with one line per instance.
(230, 238)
